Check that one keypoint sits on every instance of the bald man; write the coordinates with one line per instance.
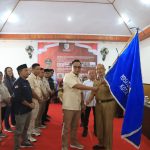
(105, 106)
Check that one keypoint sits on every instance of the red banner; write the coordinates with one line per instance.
(59, 56)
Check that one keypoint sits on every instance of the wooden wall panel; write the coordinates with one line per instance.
(147, 90)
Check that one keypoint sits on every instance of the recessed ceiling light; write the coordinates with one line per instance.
(120, 21)
(125, 18)
(13, 18)
(5, 15)
(146, 2)
(69, 19)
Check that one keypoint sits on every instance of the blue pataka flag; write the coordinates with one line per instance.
(125, 82)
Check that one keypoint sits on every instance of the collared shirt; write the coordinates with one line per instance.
(43, 86)
(87, 93)
(5, 96)
(45, 80)
(71, 96)
(21, 91)
(103, 92)
(35, 84)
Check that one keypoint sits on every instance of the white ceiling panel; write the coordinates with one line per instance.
(6, 7)
(50, 16)
(137, 12)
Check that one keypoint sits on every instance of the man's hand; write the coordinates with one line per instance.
(87, 103)
(95, 89)
(32, 105)
(40, 100)
(83, 108)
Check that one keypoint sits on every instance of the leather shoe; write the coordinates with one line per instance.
(98, 147)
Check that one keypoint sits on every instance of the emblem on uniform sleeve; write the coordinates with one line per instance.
(16, 86)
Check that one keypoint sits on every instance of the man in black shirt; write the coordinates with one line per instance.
(22, 106)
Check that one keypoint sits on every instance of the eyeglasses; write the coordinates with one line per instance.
(79, 67)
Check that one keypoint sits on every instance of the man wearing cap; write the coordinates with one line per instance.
(22, 106)
(105, 107)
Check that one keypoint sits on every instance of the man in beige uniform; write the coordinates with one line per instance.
(71, 105)
(105, 107)
(46, 95)
(37, 98)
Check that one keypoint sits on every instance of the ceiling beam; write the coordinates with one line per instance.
(143, 35)
(63, 37)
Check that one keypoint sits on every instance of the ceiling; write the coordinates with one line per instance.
(94, 17)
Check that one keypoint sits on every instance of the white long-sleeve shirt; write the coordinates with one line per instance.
(87, 93)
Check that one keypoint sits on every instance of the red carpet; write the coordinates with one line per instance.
(51, 136)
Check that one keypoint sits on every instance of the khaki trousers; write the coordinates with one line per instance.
(104, 123)
(70, 122)
(38, 121)
(34, 114)
(22, 124)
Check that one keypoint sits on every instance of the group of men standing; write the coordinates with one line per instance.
(75, 98)
(30, 101)
(31, 94)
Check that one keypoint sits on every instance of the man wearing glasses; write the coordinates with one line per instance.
(72, 104)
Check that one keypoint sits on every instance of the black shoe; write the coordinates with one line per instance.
(47, 120)
(44, 124)
(26, 144)
(48, 116)
(85, 132)
(98, 147)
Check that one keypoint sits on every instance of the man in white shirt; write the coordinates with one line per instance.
(86, 94)
(71, 105)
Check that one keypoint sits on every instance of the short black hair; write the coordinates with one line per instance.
(46, 70)
(76, 60)
(19, 68)
(35, 65)
(51, 70)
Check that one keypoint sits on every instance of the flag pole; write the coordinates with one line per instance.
(129, 40)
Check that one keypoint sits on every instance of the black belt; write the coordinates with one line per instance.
(105, 101)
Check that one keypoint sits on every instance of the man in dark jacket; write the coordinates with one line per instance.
(22, 106)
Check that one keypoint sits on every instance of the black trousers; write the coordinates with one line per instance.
(10, 113)
(86, 117)
(44, 116)
(3, 111)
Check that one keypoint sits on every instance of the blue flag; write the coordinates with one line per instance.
(125, 82)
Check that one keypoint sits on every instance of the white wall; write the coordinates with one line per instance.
(12, 53)
(112, 55)
(145, 60)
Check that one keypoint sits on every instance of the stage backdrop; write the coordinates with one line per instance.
(59, 56)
